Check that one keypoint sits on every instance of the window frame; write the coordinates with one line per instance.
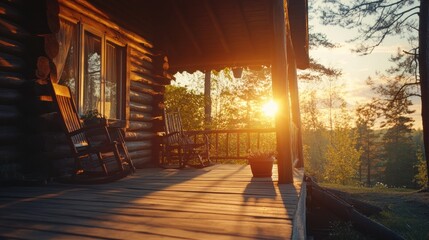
(82, 29)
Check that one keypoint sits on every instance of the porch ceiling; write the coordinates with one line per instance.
(210, 34)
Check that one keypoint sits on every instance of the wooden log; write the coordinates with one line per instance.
(8, 154)
(138, 69)
(139, 145)
(11, 80)
(139, 116)
(12, 30)
(17, 3)
(137, 136)
(43, 67)
(134, 76)
(10, 62)
(138, 126)
(8, 96)
(9, 12)
(8, 114)
(140, 154)
(141, 62)
(135, 53)
(140, 97)
(139, 87)
(141, 162)
(9, 134)
(57, 153)
(44, 15)
(11, 46)
(54, 138)
(140, 107)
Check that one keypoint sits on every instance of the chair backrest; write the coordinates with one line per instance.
(173, 127)
(68, 113)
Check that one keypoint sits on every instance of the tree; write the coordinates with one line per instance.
(341, 151)
(189, 103)
(367, 138)
(399, 150)
(314, 134)
(377, 20)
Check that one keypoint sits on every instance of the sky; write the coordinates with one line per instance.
(356, 68)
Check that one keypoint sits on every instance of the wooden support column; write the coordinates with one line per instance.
(207, 100)
(294, 98)
(281, 94)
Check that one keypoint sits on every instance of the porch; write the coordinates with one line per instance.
(217, 202)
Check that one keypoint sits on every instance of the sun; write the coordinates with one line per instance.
(270, 108)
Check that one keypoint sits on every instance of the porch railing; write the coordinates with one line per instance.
(235, 144)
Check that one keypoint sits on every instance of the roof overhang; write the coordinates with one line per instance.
(212, 34)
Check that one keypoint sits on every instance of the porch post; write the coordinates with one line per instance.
(296, 116)
(281, 93)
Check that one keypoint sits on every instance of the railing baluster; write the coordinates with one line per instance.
(257, 144)
(248, 141)
(227, 143)
(238, 144)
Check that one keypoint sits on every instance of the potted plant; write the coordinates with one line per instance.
(93, 117)
(261, 163)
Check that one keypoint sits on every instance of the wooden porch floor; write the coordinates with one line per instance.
(218, 202)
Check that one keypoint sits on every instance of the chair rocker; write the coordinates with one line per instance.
(80, 138)
(180, 147)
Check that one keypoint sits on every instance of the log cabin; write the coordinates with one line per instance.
(118, 56)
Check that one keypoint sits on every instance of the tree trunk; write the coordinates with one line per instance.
(207, 100)
(424, 68)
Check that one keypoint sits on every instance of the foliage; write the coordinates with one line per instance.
(399, 149)
(261, 155)
(421, 177)
(345, 230)
(315, 135)
(188, 103)
(374, 20)
(342, 157)
(92, 114)
(368, 140)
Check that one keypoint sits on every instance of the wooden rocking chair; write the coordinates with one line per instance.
(79, 137)
(180, 147)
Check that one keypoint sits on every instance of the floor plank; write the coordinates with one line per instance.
(218, 202)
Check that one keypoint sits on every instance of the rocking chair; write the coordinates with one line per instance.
(180, 147)
(83, 148)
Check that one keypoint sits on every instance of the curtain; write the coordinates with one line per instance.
(92, 73)
(66, 36)
(114, 65)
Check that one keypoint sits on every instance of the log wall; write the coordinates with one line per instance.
(22, 24)
(146, 94)
(144, 91)
(29, 127)
(12, 80)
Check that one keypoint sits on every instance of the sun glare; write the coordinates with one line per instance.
(270, 108)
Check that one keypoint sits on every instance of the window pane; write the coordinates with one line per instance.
(92, 73)
(67, 59)
(114, 73)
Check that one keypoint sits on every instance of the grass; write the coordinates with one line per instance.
(404, 211)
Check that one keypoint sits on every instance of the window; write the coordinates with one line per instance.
(96, 73)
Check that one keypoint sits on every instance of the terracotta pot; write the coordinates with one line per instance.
(237, 72)
(262, 167)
